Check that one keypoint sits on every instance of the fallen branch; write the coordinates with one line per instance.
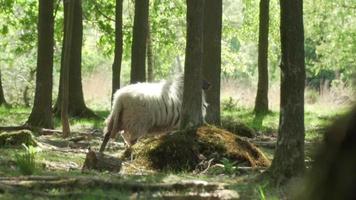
(270, 145)
(47, 182)
(42, 131)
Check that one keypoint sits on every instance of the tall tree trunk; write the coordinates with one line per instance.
(2, 96)
(261, 103)
(41, 115)
(116, 66)
(76, 104)
(150, 64)
(192, 94)
(288, 159)
(25, 94)
(68, 54)
(212, 57)
(139, 36)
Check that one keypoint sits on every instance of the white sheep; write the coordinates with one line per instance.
(146, 108)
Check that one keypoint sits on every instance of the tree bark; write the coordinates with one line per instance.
(2, 96)
(288, 159)
(116, 66)
(76, 104)
(68, 48)
(261, 102)
(192, 95)
(150, 64)
(212, 58)
(41, 115)
(139, 36)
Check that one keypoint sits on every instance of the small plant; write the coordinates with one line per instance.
(261, 193)
(229, 104)
(26, 161)
(229, 166)
(226, 167)
(311, 96)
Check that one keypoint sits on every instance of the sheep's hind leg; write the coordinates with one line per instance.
(105, 141)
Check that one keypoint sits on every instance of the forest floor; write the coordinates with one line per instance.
(58, 170)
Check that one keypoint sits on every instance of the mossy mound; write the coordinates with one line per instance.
(182, 150)
(235, 126)
(17, 138)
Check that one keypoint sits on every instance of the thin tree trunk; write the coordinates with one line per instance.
(41, 115)
(150, 64)
(116, 66)
(76, 104)
(25, 94)
(261, 103)
(212, 57)
(2, 96)
(139, 37)
(70, 15)
(192, 94)
(288, 159)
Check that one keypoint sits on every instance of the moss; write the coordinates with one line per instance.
(180, 150)
(17, 138)
(235, 126)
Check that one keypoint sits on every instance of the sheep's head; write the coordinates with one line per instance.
(129, 138)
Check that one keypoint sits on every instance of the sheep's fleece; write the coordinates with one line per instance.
(147, 108)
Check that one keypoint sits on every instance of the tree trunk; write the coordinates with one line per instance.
(139, 36)
(192, 94)
(41, 115)
(150, 64)
(288, 159)
(2, 96)
(212, 58)
(116, 66)
(261, 103)
(76, 104)
(68, 47)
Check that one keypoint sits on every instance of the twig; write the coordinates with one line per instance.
(209, 164)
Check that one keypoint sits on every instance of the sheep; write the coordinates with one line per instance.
(147, 108)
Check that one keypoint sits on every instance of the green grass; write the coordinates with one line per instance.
(13, 116)
(316, 118)
(26, 161)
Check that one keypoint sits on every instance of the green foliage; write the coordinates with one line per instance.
(229, 104)
(261, 193)
(229, 166)
(27, 161)
(330, 37)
